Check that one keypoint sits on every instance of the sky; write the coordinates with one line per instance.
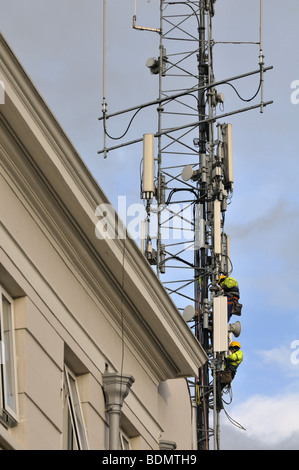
(59, 44)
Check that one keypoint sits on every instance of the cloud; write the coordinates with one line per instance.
(285, 358)
(278, 356)
(270, 219)
(270, 423)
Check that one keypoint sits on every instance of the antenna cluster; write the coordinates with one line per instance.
(187, 185)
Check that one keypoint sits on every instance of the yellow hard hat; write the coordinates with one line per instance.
(221, 278)
(235, 344)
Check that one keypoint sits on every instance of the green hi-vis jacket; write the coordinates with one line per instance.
(234, 360)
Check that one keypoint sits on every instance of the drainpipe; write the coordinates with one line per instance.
(116, 387)
(167, 445)
(194, 424)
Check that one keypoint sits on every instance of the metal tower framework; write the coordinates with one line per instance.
(192, 183)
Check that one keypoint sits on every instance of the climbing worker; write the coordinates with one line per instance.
(230, 287)
(232, 362)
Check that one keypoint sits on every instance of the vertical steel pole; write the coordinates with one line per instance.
(104, 104)
(160, 110)
(200, 260)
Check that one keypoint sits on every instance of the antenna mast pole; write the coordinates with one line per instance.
(200, 254)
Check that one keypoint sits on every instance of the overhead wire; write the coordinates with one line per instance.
(240, 97)
(127, 129)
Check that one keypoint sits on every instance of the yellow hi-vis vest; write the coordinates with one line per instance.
(230, 282)
(234, 360)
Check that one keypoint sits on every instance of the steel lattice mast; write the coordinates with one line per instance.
(187, 185)
(194, 175)
(186, 60)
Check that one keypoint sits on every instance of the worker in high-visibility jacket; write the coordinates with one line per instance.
(232, 362)
(230, 287)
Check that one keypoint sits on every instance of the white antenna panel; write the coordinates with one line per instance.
(148, 187)
(220, 329)
(228, 153)
(217, 228)
(199, 225)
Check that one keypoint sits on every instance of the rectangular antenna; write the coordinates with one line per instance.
(220, 330)
(217, 228)
(227, 154)
(148, 187)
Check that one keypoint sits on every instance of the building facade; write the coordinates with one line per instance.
(94, 354)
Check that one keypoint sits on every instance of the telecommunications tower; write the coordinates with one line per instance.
(187, 183)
